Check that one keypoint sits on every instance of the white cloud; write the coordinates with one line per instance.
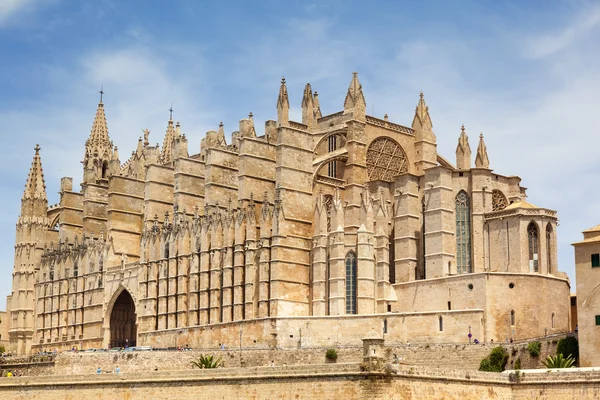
(553, 42)
(11, 8)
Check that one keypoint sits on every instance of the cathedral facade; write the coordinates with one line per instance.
(313, 233)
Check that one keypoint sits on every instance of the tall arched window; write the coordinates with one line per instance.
(549, 247)
(533, 235)
(351, 283)
(104, 169)
(552, 320)
(332, 166)
(441, 323)
(512, 317)
(463, 233)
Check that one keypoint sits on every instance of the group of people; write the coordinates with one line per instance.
(117, 370)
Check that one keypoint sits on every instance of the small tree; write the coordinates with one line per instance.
(495, 361)
(568, 346)
(207, 362)
(534, 349)
(2, 349)
(559, 362)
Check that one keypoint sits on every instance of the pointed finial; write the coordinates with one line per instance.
(171, 112)
(250, 115)
(481, 136)
(101, 92)
(462, 128)
(37, 149)
(283, 80)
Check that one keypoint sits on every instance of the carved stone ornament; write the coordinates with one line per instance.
(385, 160)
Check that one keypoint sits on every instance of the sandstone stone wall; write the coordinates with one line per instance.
(338, 381)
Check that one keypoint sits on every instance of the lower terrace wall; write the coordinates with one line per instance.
(447, 356)
(335, 381)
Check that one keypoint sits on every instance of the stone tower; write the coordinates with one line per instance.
(32, 225)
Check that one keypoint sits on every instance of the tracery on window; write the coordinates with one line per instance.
(385, 160)
(463, 233)
(499, 201)
(533, 236)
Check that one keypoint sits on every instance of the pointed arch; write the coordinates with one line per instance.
(351, 282)
(549, 241)
(105, 170)
(122, 318)
(533, 238)
(463, 233)
(441, 323)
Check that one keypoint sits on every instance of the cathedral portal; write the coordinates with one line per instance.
(123, 330)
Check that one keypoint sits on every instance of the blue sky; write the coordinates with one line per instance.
(523, 73)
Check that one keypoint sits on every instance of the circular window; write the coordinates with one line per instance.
(470, 286)
(385, 160)
(511, 285)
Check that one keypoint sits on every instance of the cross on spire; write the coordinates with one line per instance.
(101, 92)
(171, 111)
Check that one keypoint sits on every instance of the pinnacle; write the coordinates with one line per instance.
(355, 94)
(282, 99)
(35, 188)
(307, 96)
(167, 147)
(99, 133)
(422, 113)
(482, 160)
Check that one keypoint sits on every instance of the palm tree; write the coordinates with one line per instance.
(204, 362)
(559, 362)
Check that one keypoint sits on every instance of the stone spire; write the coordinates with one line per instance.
(425, 140)
(98, 148)
(482, 161)
(167, 148)
(422, 117)
(283, 104)
(355, 100)
(308, 107)
(463, 151)
(35, 188)
(317, 105)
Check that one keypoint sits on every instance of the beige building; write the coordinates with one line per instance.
(308, 234)
(587, 275)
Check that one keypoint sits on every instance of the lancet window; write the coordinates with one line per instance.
(332, 166)
(351, 283)
(533, 236)
(463, 233)
(549, 247)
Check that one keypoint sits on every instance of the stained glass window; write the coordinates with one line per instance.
(463, 234)
(351, 283)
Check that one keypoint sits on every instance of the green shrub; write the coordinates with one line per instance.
(534, 349)
(331, 354)
(495, 361)
(559, 362)
(2, 349)
(568, 346)
(518, 363)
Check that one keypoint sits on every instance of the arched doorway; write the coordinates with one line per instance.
(122, 322)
